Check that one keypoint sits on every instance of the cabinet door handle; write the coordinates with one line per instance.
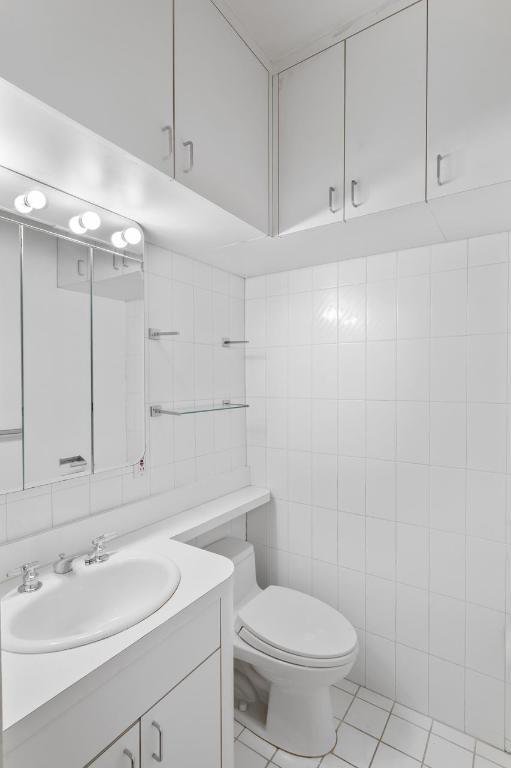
(158, 758)
(130, 757)
(331, 193)
(170, 144)
(189, 145)
(354, 185)
(439, 159)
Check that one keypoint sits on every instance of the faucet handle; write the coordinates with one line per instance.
(98, 554)
(99, 541)
(29, 575)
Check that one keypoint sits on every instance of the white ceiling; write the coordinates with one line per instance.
(282, 27)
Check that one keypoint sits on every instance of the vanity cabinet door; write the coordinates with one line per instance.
(184, 728)
(124, 753)
(386, 114)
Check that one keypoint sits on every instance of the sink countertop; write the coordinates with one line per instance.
(31, 680)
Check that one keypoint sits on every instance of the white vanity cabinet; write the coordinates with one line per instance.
(311, 142)
(123, 753)
(221, 113)
(107, 65)
(469, 98)
(386, 113)
(184, 728)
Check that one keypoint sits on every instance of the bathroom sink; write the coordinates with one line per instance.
(88, 604)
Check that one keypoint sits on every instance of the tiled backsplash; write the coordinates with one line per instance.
(204, 304)
(379, 393)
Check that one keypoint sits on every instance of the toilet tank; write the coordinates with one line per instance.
(242, 555)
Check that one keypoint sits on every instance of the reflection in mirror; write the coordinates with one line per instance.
(56, 358)
(11, 444)
(118, 360)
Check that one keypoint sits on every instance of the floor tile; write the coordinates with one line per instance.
(348, 686)
(366, 717)
(247, 758)
(285, 760)
(406, 737)
(354, 746)
(257, 744)
(331, 761)
(445, 754)
(387, 757)
(482, 762)
(457, 737)
(412, 716)
(237, 729)
(375, 698)
(493, 754)
(341, 702)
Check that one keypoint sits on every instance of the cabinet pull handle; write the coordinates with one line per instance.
(354, 185)
(158, 757)
(189, 144)
(439, 159)
(168, 130)
(80, 265)
(130, 757)
(331, 193)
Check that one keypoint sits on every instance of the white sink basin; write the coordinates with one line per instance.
(89, 604)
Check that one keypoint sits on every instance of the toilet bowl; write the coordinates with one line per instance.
(289, 649)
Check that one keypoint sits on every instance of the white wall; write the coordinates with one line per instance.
(379, 394)
(204, 304)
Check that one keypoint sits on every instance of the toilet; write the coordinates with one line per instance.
(289, 648)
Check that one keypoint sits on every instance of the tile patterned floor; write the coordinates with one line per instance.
(375, 732)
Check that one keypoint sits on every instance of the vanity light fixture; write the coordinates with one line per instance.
(81, 224)
(34, 200)
(128, 236)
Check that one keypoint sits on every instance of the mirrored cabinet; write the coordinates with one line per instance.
(71, 357)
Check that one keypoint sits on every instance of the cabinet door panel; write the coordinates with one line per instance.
(469, 95)
(221, 106)
(311, 142)
(386, 114)
(124, 753)
(56, 359)
(107, 65)
(184, 728)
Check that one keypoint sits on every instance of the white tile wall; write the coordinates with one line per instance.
(204, 304)
(380, 396)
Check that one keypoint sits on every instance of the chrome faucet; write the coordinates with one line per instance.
(98, 554)
(30, 577)
(92, 556)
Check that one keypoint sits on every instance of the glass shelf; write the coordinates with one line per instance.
(156, 410)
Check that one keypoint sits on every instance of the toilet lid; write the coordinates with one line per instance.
(298, 624)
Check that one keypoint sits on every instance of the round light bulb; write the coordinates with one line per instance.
(21, 204)
(132, 235)
(119, 240)
(90, 220)
(36, 199)
(76, 225)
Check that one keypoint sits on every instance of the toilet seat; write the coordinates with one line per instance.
(297, 628)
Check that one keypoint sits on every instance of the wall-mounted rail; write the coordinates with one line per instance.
(157, 410)
(155, 333)
(229, 342)
(10, 434)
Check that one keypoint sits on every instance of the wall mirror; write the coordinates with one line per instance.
(71, 357)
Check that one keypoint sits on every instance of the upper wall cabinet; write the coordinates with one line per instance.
(221, 113)
(386, 113)
(107, 65)
(469, 95)
(311, 142)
